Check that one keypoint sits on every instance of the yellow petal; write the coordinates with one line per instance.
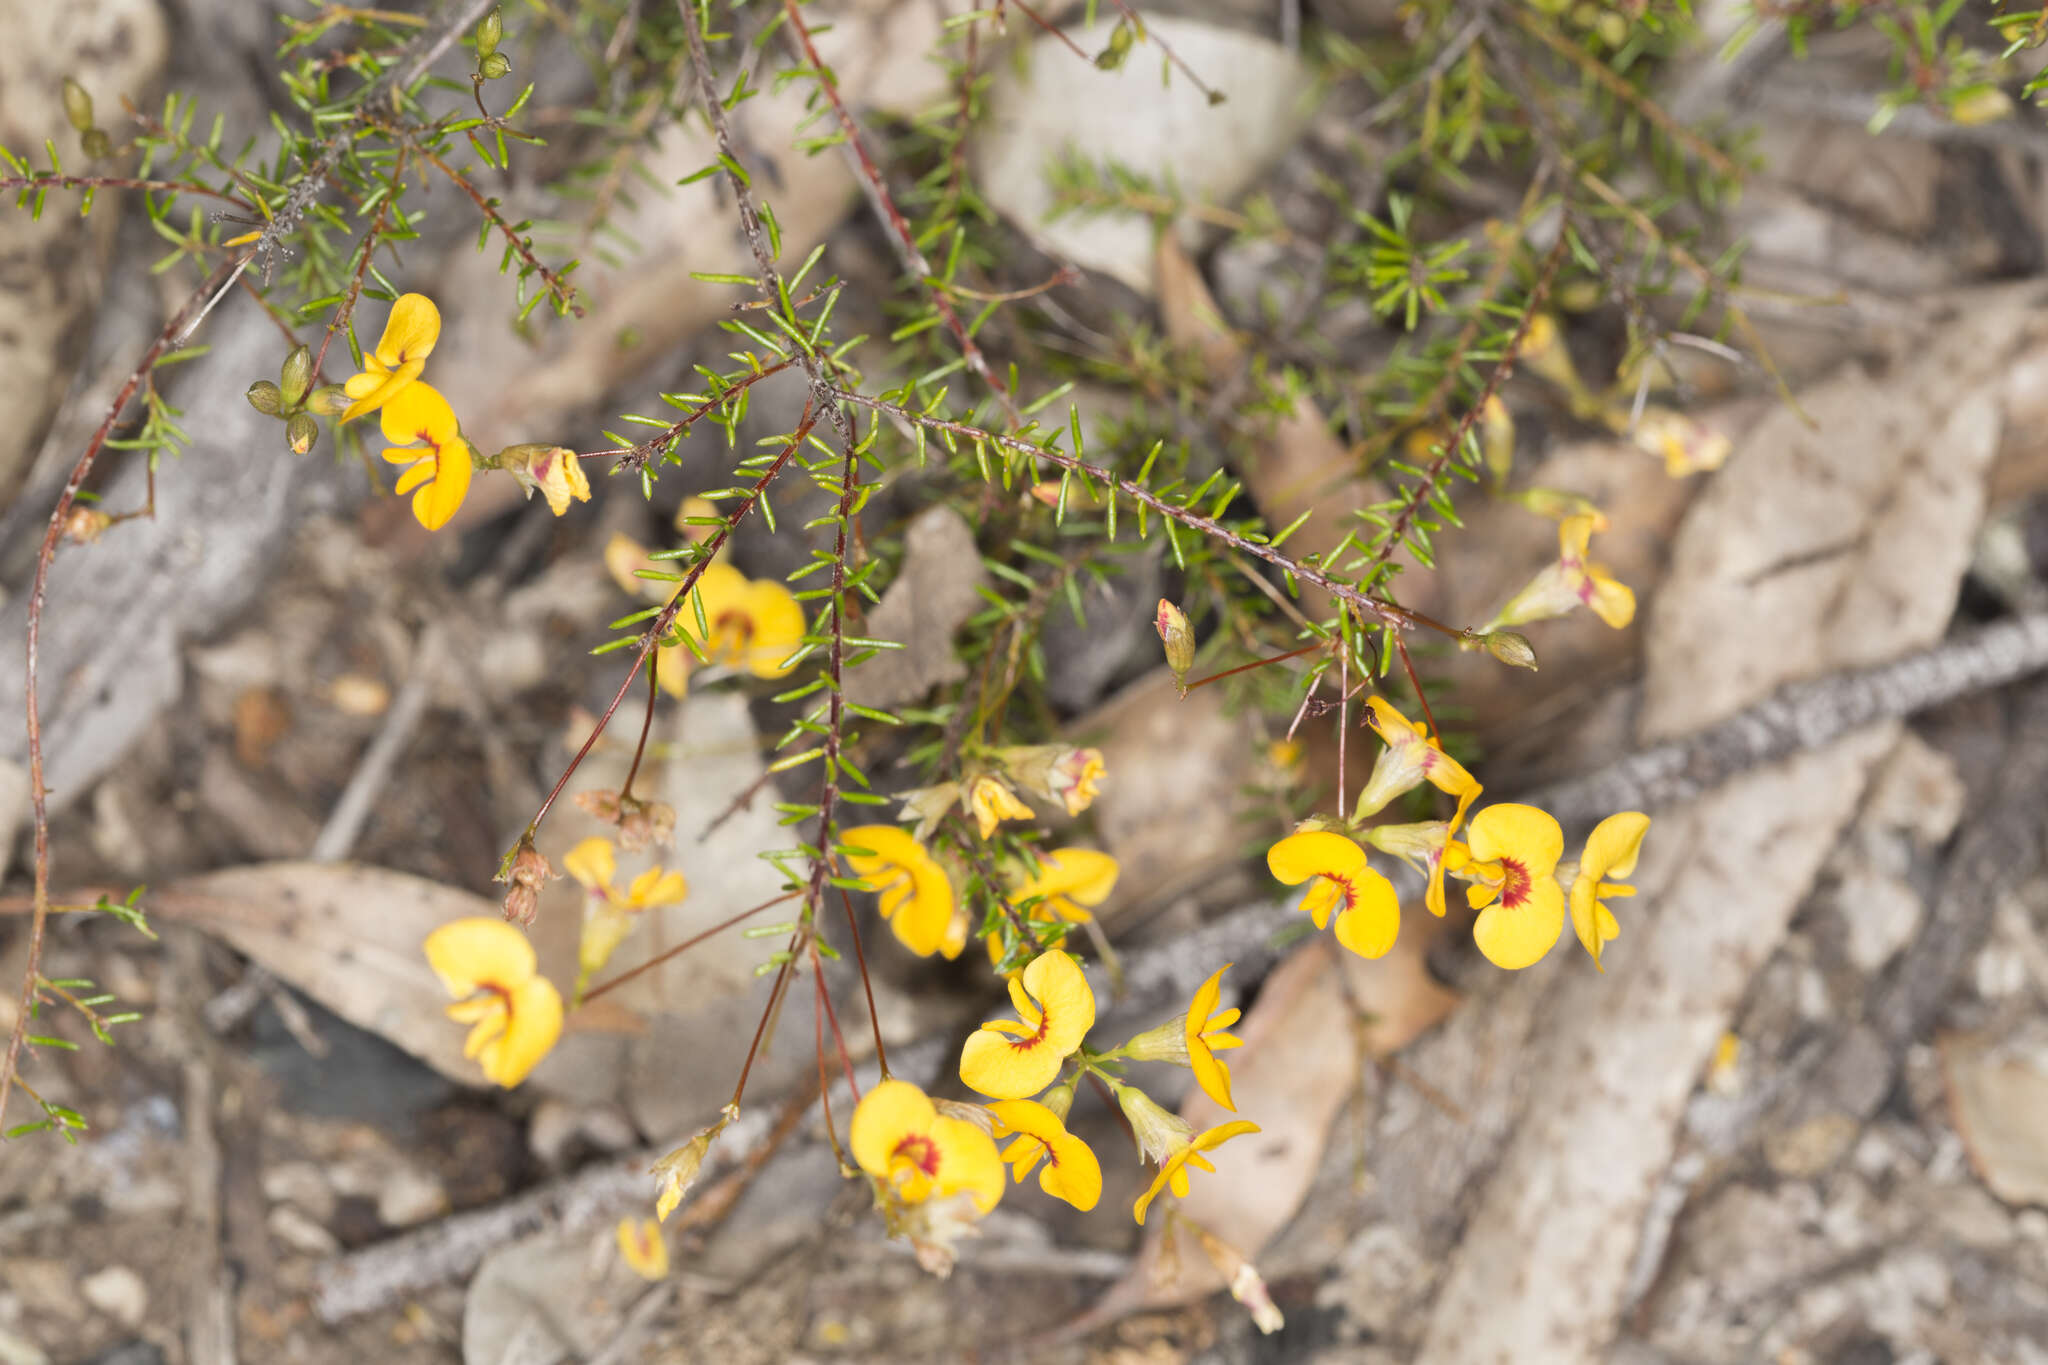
(1613, 846)
(468, 954)
(1069, 879)
(1516, 938)
(1586, 917)
(643, 1249)
(655, 887)
(436, 503)
(672, 669)
(1370, 923)
(1314, 853)
(1393, 727)
(1613, 602)
(916, 895)
(1528, 836)
(967, 1162)
(386, 390)
(364, 384)
(534, 1024)
(888, 1114)
(592, 863)
(1573, 535)
(1072, 1172)
(623, 555)
(410, 332)
(777, 628)
(1011, 1061)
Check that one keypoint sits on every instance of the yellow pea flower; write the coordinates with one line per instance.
(1370, 916)
(517, 1013)
(1173, 1172)
(560, 476)
(1687, 445)
(1410, 759)
(1512, 857)
(992, 802)
(1010, 1060)
(1611, 851)
(643, 1248)
(1569, 582)
(441, 471)
(608, 913)
(1203, 1030)
(916, 894)
(754, 624)
(1057, 772)
(1071, 1171)
(916, 1153)
(1068, 884)
(400, 355)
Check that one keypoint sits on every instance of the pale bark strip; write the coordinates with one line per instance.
(1541, 1274)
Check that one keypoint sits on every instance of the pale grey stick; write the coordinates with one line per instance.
(1801, 716)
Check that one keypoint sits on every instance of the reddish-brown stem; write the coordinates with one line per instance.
(38, 793)
(564, 293)
(634, 456)
(1421, 698)
(646, 727)
(1309, 648)
(116, 182)
(832, 1018)
(861, 960)
(1343, 714)
(651, 963)
(1387, 613)
(914, 262)
(355, 284)
(761, 1029)
(1048, 26)
(1171, 56)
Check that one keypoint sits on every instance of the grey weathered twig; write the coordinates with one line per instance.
(1802, 716)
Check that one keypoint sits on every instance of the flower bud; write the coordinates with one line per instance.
(1497, 438)
(266, 398)
(84, 525)
(494, 66)
(329, 400)
(1511, 649)
(294, 375)
(96, 144)
(1120, 40)
(302, 431)
(1178, 637)
(489, 30)
(1159, 1133)
(77, 105)
(527, 872)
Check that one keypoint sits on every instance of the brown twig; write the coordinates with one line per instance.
(651, 963)
(557, 283)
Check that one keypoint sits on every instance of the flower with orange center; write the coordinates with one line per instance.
(643, 1248)
(1368, 911)
(1071, 1171)
(1513, 852)
(916, 1153)
(1203, 1030)
(751, 625)
(1055, 1009)
(1410, 759)
(608, 913)
(1173, 1172)
(401, 354)
(1611, 851)
(992, 802)
(916, 894)
(440, 469)
(1569, 582)
(516, 1013)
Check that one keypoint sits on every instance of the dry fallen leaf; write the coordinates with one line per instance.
(937, 589)
(1998, 1101)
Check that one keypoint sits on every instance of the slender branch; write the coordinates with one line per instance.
(26, 183)
(860, 958)
(651, 963)
(557, 283)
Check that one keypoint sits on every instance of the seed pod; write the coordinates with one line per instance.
(1511, 649)
(488, 31)
(494, 66)
(77, 105)
(1120, 39)
(1178, 637)
(96, 144)
(266, 398)
(294, 375)
(302, 431)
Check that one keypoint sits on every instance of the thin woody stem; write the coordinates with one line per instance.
(860, 958)
(646, 727)
(775, 995)
(651, 963)
(1309, 648)
(1421, 698)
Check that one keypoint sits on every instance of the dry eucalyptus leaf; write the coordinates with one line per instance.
(1998, 1101)
(349, 936)
(1061, 106)
(938, 588)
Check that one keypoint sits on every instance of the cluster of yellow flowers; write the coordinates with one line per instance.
(935, 1165)
(1509, 856)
